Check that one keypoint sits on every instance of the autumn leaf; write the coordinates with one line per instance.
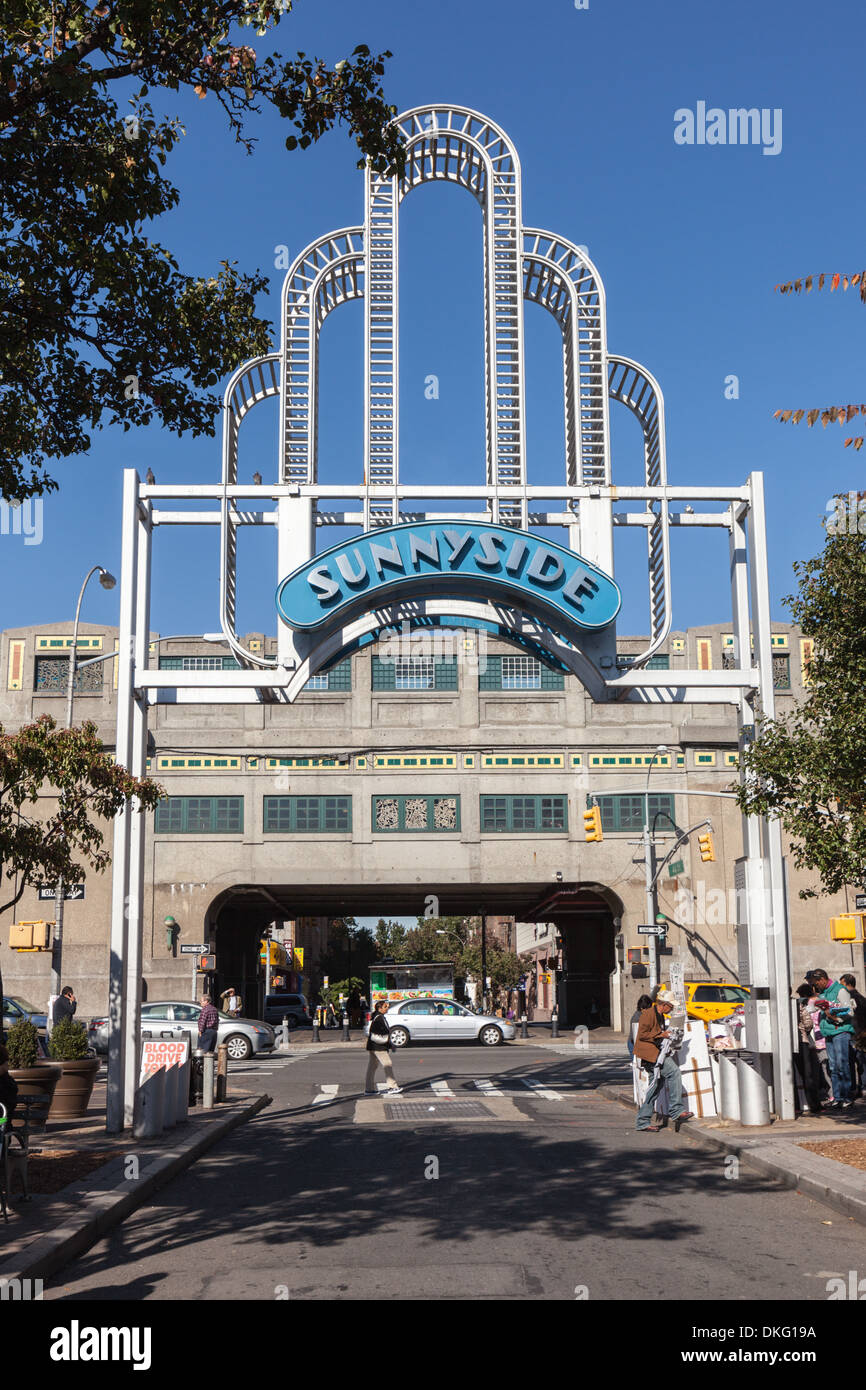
(812, 417)
(834, 284)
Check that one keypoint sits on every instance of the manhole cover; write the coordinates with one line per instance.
(440, 1110)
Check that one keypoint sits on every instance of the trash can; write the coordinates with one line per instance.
(196, 1077)
(729, 1086)
(754, 1089)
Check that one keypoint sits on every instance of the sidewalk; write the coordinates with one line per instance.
(777, 1151)
(539, 1035)
(44, 1234)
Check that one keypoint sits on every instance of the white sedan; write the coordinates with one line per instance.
(445, 1021)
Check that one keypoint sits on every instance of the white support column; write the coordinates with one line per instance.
(138, 826)
(779, 945)
(120, 883)
(295, 546)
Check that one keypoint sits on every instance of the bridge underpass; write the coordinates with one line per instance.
(585, 918)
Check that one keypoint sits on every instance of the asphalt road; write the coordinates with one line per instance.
(543, 1191)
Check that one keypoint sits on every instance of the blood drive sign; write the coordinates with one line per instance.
(162, 1052)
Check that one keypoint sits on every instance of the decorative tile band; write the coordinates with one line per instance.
(15, 677)
(314, 763)
(169, 763)
(541, 760)
(416, 760)
(48, 643)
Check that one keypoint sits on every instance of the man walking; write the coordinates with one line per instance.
(651, 1035)
(837, 1026)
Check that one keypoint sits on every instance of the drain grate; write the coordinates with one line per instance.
(438, 1110)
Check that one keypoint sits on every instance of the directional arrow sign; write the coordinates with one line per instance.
(192, 950)
(860, 901)
(651, 931)
(71, 892)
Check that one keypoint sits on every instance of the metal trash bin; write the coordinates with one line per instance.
(196, 1077)
(754, 1089)
(729, 1086)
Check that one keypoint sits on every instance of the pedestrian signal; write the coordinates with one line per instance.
(207, 963)
(705, 844)
(592, 824)
(844, 928)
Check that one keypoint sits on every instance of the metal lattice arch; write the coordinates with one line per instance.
(457, 145)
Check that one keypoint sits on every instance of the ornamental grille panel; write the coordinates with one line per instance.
(414, 813)
(52, 676)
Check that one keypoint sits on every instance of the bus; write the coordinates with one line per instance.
(412, 980)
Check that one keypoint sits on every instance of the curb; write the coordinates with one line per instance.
(811, 1174)
(79, 1223)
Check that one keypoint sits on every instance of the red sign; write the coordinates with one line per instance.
(162, 1052)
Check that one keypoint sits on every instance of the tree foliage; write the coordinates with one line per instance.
(100, 324)
(809, 767)
(72, 766)
(833, 414)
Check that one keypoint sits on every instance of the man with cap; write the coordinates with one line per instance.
(651, 1034)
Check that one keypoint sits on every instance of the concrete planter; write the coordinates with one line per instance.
(37, 1081)
(74, 1089)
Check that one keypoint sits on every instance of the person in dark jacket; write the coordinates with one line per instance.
(643, 1003)
(64, 1005)
(8, 1084)
(858, 1003)
(378, 1047)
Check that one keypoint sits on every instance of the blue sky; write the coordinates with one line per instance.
(689, 240)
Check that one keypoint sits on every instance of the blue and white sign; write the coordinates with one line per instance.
(442, 560)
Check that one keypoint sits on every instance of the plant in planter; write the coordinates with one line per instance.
(68, 1046)
(68, 1041)
(35, 1077)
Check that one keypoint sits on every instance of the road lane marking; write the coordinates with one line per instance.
(539, 1090)
(327, 1092)
(488, 1088)
(441, 1088)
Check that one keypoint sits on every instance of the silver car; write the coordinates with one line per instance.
(242, 1036)
(445, 1021)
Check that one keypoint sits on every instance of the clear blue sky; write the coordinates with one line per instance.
(689, 240)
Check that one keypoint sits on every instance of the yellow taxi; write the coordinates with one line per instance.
(712, 999)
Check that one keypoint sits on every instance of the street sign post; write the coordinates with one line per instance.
(860, 901)
(677, 868)
(72, 892)
(651, 931)
(193, 950)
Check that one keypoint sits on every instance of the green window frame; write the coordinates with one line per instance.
(200, 815)
(525, 815)
(304, 815)
(415, 815)
(626, 811)
(384, 675)
(337, 677)
(199, 663)
(490, 677)
(660, 662)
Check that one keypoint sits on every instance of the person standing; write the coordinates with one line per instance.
(858, 1004)
(643, 1003)
(64, 1006)
(208, 1025)
(378, 1047)
(809, 1062)
(651, 1034)
(836, 1025)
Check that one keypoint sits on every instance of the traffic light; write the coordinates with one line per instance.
(592, 824)
(844, 928)
(207, 963)
(705, 844)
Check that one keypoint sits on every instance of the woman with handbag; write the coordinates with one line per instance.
(378, 1047)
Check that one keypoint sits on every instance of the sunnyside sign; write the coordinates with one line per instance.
(435, 559)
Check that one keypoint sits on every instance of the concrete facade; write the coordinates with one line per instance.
(223, 886)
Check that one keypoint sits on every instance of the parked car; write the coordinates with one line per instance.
(293, 1007)
(14, 1009)
(243, 1036)
(445, 1021)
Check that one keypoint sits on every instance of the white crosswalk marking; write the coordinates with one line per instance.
(488, 1088)
(539, 1090)
(326, 1093)
(441, 1088)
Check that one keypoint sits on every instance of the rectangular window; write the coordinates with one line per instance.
(524, 814)
(415, 673)
(519, 673)
(660, 662)
(52, 676)
(336, 677)
(627, 812)
(198, 663)
(300, 815)
(414, 813)
(200, 815)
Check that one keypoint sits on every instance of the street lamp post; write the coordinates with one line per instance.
(107, 581)
(649, 874)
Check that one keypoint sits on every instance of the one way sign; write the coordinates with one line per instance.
(71, 891)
